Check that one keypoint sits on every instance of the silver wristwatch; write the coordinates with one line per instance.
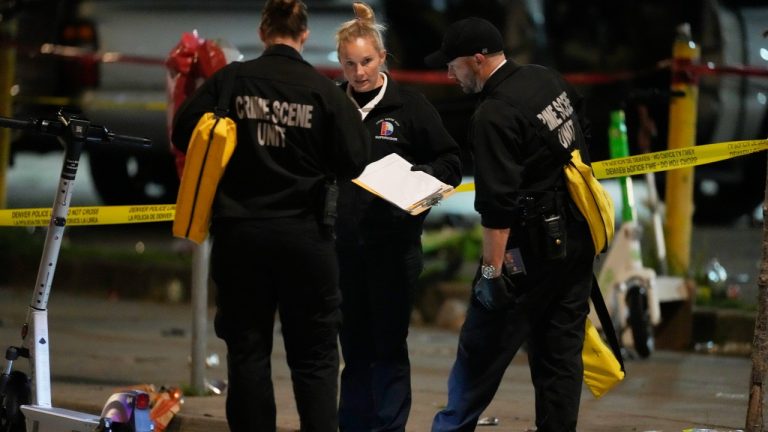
(488, 271)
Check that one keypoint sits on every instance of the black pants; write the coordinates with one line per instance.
(285, 265)
(377, 283)
(550, 319)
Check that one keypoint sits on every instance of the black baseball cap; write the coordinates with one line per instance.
(465, 38)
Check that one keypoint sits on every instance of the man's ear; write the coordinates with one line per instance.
(478, 60)
(303, 37)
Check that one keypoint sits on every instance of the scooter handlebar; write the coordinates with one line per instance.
(42, 126)
(128, 140)
(13, 123)
(93, 133)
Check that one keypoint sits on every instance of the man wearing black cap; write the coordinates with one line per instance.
(534, 282)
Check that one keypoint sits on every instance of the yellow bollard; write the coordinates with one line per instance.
(7, 77)
(682, 133)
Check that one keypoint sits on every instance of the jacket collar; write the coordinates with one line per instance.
(506, 70)
(283, 51)
(364, 110)
(391, 97)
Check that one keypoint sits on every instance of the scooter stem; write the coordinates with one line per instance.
(35, 334)
(73, 147)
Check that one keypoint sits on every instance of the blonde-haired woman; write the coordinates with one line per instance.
(379, 245)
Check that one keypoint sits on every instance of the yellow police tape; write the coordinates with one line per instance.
(620, 167)
(666, 160)
(102, 215)
(672, 159)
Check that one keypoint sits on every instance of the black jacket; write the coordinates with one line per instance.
(403, 122)
(522, 110)
(295, 129)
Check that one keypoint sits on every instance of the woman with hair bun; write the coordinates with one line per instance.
(272, 249)
(378, 244)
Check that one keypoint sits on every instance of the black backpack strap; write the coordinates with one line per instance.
(222, 107)
(605, 320)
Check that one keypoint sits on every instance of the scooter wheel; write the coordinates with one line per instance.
(639, 320)
(17, 393)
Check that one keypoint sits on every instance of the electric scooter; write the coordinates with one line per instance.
(630, 287)
(25, 401)
(633, 291)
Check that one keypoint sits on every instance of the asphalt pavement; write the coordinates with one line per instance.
(99, 345)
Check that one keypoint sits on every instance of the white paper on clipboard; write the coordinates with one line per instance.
(391, 178)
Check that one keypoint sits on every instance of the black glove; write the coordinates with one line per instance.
(426, 168)
(495, 294)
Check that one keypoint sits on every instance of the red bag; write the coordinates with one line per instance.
(190, 62)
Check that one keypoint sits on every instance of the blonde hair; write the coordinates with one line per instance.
(364, 25)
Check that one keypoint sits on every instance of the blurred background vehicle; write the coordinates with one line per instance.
(105, 58)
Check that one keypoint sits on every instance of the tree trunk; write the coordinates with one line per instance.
(760, 340)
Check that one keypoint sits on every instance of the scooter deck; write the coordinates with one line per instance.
(44, 419)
